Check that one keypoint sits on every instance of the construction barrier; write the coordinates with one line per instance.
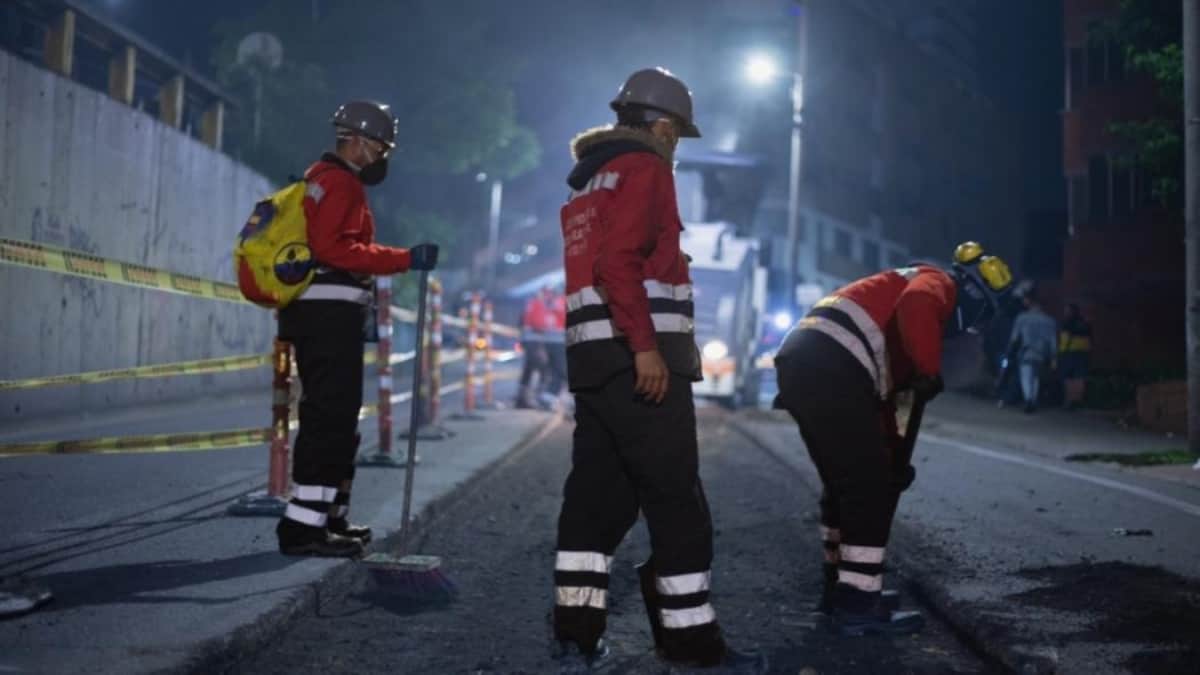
(470, 315)
(85, 265)
(383, 300)
(435, 354)
(488, 347)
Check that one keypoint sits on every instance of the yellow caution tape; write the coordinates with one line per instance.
(218, 365)
(203, 440)
(225, 364)
(88, 266)
(187, 441)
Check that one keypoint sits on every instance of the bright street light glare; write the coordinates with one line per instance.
(761, 69)
(783, 320)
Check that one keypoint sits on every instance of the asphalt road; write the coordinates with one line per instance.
(498, 544)
(1023, 550)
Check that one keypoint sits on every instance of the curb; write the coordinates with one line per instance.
(977, 633)
(222, 653)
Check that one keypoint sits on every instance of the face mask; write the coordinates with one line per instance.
(374, 172)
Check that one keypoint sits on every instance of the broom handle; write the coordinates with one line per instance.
(415, 412)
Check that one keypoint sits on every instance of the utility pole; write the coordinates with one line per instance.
(794, 168)
(493, 246)
(1191, 117)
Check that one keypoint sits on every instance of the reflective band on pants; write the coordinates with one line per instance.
(580, 596)
(583, 561)
(683, 584)
(686, 618)
(306, 516)
(863, 582)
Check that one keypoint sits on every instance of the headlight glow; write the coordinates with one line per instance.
(715, 350)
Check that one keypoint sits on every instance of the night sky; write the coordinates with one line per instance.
(1020, 61)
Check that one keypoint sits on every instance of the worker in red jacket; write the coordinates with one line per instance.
(533, 341)
(326, 324)
(556, 351)
(839, 370)
(631, 362)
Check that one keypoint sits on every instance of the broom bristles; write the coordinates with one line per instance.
(417, 578)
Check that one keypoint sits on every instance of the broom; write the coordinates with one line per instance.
(418, 578)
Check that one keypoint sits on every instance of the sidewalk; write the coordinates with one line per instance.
(968, 418)
(150, 574)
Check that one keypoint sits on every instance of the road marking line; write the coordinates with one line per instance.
(1180, 505)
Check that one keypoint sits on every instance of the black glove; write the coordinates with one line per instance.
(423, 257)
(927, 387)
(903, 477)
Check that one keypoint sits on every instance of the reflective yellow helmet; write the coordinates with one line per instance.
(968, 252)
(983, 282)
(995, 273)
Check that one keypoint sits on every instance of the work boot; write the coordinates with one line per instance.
(299, 539)
(572, 659)
(344, 528)
(857, 612)
(731, 661)
(524, 399)
(889, 599)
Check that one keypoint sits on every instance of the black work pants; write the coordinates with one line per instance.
(630, 455)
(328, 340)
(831, 396)
(556, 362)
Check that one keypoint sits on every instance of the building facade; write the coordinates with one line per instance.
(1124, 257)
(902, 156)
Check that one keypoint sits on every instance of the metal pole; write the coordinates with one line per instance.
(793, 215)
(793, 225)
(1191, 114)
(410, 464)
(493, 233)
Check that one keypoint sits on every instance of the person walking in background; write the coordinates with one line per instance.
(555, 345)
(1074, 352)
(1034, 341)
(533, 341)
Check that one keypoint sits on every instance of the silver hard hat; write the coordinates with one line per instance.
(657, 88)
(368, 118)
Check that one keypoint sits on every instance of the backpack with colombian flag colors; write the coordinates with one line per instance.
(272, 260)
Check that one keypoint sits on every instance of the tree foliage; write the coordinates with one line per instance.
(441, 67)
(1148, 33)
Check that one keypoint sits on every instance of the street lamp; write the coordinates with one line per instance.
(493, 227)
(761, 70)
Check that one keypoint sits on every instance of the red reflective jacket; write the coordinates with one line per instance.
(892, 323)
(627, 282)
(341, 228)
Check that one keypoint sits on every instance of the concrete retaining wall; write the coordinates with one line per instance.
(83, 171)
